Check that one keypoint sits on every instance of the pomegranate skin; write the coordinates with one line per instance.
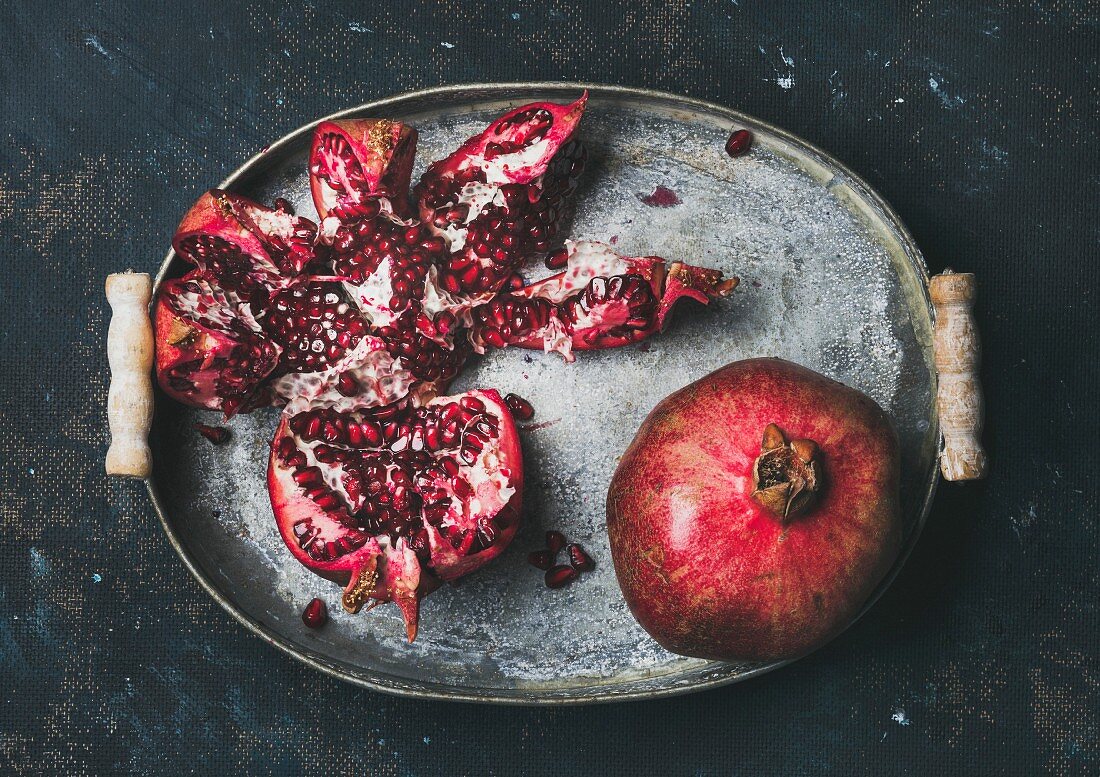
(707, 570)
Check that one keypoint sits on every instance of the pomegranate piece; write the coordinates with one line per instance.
(394, 500)
(216, 434)
(210, 350)
(501, 196)
(315, 615)
(354, 162)
(766, 490)
(541, 559)
(555, 541)
(739, 142)
(560, 576)
(601, 300)
(578, 559)
(520, 407)
(243, 246)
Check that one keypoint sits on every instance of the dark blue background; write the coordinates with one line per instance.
(978, 122)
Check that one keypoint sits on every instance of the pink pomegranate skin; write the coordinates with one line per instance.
(710, 572)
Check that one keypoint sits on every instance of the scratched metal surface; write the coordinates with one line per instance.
(828, 280)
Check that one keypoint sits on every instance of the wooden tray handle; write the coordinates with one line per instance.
(130, 355)
(957, 352)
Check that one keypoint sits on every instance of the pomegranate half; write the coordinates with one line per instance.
(754, 512)
(392, 501)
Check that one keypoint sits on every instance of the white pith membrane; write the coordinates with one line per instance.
(275, 223)
(382, 380)
(215, 305)
(587, 259)
(504, 167)
(451, 534)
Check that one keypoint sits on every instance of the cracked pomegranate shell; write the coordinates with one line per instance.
(755, 512)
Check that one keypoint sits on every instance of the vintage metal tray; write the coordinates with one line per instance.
(830, 278)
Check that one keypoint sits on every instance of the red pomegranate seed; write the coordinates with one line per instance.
(520, 407)
(580, 560)
(315, 615)
(557, 260)
(555, 541)
(216, 434)
(739, 142)
(541, 559)
(560, 576)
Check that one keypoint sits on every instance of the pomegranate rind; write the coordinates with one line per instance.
(400, 575)
(707, 570)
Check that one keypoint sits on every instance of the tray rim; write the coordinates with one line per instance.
(596, 694)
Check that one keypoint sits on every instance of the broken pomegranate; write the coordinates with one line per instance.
(501, 196)
(393, 501)
(601, 300)
(353, 162)
(211, 351)
(357, 324)
(243, 246)
(755, 512)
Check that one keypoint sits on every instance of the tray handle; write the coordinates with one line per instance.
(130, 355)
(957, 352)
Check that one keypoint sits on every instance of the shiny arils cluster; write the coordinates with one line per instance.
(314, 323)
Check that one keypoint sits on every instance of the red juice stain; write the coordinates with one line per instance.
(662, 197)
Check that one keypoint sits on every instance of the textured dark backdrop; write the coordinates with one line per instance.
(979, 123)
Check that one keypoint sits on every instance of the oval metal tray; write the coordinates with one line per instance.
(830, 278)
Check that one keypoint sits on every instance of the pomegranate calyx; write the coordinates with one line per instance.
(698, 283)
(361, 588)
(786, 477)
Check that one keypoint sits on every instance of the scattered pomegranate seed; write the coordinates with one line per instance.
(580, 560)
(516, 282)
(315, 615)
(739, 142)
(520, 407)
(555, 541)
(560, 576)
(216, 434)
(283, 204)
(541, 559)
(557, 260)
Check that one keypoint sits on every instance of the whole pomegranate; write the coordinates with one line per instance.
(754, 512)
